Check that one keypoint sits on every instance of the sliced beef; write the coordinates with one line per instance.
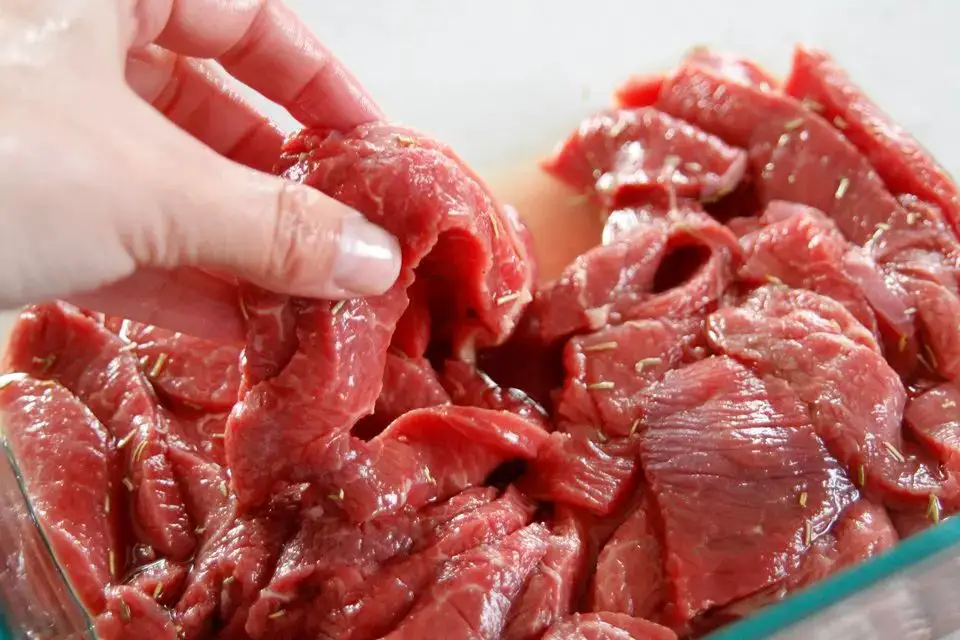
(131, 615)
(638, 91)
(934, 419)
(193, 372)
(412, 336)
(607, 626)
(795, 155)
(721, 445)
(408, 384)
(732, 66)
(57, 342)
(607, 369)
(469, 386)
(632, 155)
(673, 267)
(802, 248)
(369, 602)
(855, 399)
(162, 580)
(583, 468)
(937, 307)
(549, 593)
(475, 591)
(67, 461)
(200, 432)
(630, 577)
(450, 230)
(904, 165)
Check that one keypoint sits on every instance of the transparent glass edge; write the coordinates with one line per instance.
(805, 604)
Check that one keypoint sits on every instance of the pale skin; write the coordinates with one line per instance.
(121, 191)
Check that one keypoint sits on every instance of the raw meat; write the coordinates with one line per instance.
(749, 383)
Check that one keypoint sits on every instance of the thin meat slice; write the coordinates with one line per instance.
(200, 432)
(549, 593)
(131, 615)
(583, 469)
(732, 66)
(638, 91)
(196, 373)
(412, 336)
(355, 607)
(302, 355)
(475, 591)
(938, 308)
(629, 577)
(469, 386)
(607, 626)
(674, 267)
(408, 384)
(933, 418)
(66, 459)
(802, 248)
(795, 155)
(55, 341)
(720, 445)
(425, 455)
(904, 165)
(162, 580)
(855, 398)
(607, 369)
(628, 156)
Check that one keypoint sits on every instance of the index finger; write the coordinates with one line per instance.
(263, 44)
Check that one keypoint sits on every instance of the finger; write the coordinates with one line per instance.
(263, 44)
(184, 300)
(191, 95)
(286, 237)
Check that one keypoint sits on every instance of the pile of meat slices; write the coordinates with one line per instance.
(749, 385)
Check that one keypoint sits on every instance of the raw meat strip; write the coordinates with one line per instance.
(412, 336)
(934, 419)
(855, 398)
(475, 591)
(607, 369)
(629, 577)
(382, 602)
(673, 267)
(550, 592)
(131, 615)
(731, 66)
(638, 91)
(607, 626)
(162, 581)
(200, 432)
(196, 373)
(55, 341)
(795, 155)
(66, 460)
(631, 155)
(802, 248)
(408, 384)
(302, 355)
(720, 445)
(583, 469)
(901, 161)
(468, 386)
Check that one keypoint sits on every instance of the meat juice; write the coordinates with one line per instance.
(675, 393)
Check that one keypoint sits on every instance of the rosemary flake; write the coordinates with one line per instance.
(158, 591)
(224, 491)
(894, 452)
(839, 122)
(218, 436)
(335, 309)
(600, 346)
(139, 450)
(112, 562)
(279, 613)
(911, 218)
(902, 342)
(933, 508)
(428, 475)
(45, 363)
(243, 310)
(644, 363)
(128, 484)
(783, 140)
(128, 347)
(842, 188)
(158, 366)
(931, 356)
(494, 224)
(812, 105)
(602, 437)
(106, 504)
(125, 440)
(802, 499)
(200, 531)
(510, 297)
(603, 385)
(124, 610)
(229, 579)
(694, 167)
(796, 123)
(861, 476)
(772, 279)
(910, 311)
(807, 533)
(634, 426)
(406, 141)
(338, 497)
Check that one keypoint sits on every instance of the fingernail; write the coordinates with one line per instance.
(369, 259)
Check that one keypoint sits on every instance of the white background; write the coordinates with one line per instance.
(503, 80)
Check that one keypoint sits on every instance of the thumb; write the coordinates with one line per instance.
(215, 214)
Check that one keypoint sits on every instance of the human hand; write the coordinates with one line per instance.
(129, 172)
